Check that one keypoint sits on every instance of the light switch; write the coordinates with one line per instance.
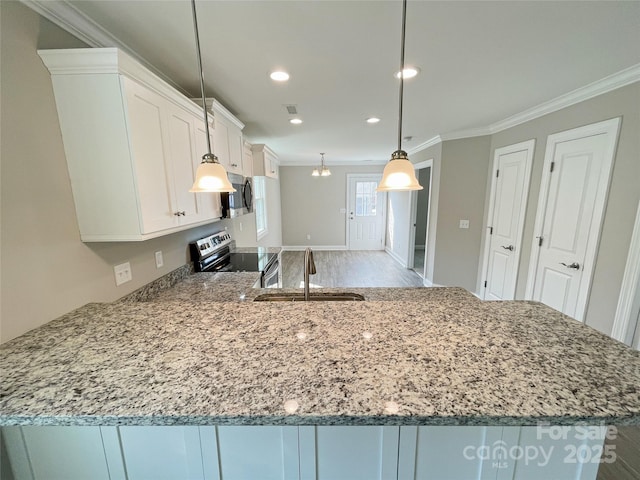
(343, 210)
(464, 223)
(122, 273)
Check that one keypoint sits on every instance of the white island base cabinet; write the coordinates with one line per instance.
(305, 453)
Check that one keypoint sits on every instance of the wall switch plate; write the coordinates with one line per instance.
(240, 225)
(159, 259)
(122, 273)
(464, 223)
(343, 210)
(308, 236)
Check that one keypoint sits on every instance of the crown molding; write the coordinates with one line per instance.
(69, 18)
(607, 84)
(424, 145)
(334, 163)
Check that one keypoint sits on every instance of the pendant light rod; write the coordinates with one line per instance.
(404, 23)
(204, 103)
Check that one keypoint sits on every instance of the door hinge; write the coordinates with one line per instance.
(485, 284)
(490, 230)
(553, 164)
(539, 241)
(497, 173)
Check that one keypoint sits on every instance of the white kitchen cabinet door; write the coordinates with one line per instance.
(562, 453)
(209, 204)
(348, 453)
(247, 160)
(159, 453)
(146, 115)
(182, 151)
(236, 150)
(221, 143)
(56, 453)
(447, 453)
(265, 161)
(260, 452)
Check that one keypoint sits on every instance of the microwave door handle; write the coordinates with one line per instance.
(247, 194)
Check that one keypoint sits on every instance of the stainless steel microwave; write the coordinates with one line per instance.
(239, 202)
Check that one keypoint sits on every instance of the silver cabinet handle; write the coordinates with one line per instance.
(573, 265)
(510, 248)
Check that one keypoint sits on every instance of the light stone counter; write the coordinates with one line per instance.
(444, 358)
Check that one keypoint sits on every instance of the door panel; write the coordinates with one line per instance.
(366, 213)
(571, 207)
(568, 220)
(511, 186)
(181, 136)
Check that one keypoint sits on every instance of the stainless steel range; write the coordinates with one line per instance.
(217, 253)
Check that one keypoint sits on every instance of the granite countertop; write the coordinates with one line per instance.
(447, 359)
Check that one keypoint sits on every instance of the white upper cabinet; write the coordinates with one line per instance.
(265, 161)
(132, 144)
(247, 160)
(228, 144)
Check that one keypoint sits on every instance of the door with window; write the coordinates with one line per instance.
(366, 214)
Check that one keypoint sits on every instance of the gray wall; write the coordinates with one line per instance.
(624, 192)
(464, 169)
(36, 200)
(311, 205)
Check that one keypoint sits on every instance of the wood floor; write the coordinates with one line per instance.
(626, 446)
(348, 269)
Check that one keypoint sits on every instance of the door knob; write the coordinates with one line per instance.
(510, 248)
(573, 265)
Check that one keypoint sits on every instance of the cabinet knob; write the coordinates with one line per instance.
(180, 214)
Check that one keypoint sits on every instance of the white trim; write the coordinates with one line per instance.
(529, 146)
(413, 218)
(65, 15)
(396, 257)
(604, 85)
(611, 129)
(342, 163)
(424, 145)
(298, 248)
(630, 289)
(369, 176)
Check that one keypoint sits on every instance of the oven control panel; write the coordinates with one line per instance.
(208, 245)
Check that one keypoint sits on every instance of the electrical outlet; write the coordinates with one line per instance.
(122, 273)
(159, 259)
(464, 223)
(308, 236)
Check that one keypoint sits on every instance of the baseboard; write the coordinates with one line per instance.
(396, 257)
(297, 248)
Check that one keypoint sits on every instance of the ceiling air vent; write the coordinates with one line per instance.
(291, 109)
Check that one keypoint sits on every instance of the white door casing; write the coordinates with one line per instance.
(507, 207)
(366, 214)
(573, 193)
(414, 218)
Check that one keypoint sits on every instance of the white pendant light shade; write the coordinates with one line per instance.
(315, 173)
(398, 174)
(325, 172)
(211, 177)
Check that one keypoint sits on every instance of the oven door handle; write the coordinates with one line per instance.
(216, 264)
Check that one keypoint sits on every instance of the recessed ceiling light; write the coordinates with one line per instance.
(409, 72)
(373, 120)
(295, 121)
(279, 76)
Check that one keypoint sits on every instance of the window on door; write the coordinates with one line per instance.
(366, 199)
(260, 202)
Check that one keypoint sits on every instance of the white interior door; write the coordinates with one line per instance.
(570, 211)
(366, 215)
(512, 167)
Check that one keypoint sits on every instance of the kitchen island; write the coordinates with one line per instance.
(203, 354)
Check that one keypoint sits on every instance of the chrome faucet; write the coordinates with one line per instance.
(309, 269)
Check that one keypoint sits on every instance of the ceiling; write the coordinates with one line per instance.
(481, 62)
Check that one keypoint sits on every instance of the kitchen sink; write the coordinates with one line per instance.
(314, 297)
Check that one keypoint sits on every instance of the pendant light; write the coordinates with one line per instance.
(323, 171)
(399, 174)
(210, 175)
